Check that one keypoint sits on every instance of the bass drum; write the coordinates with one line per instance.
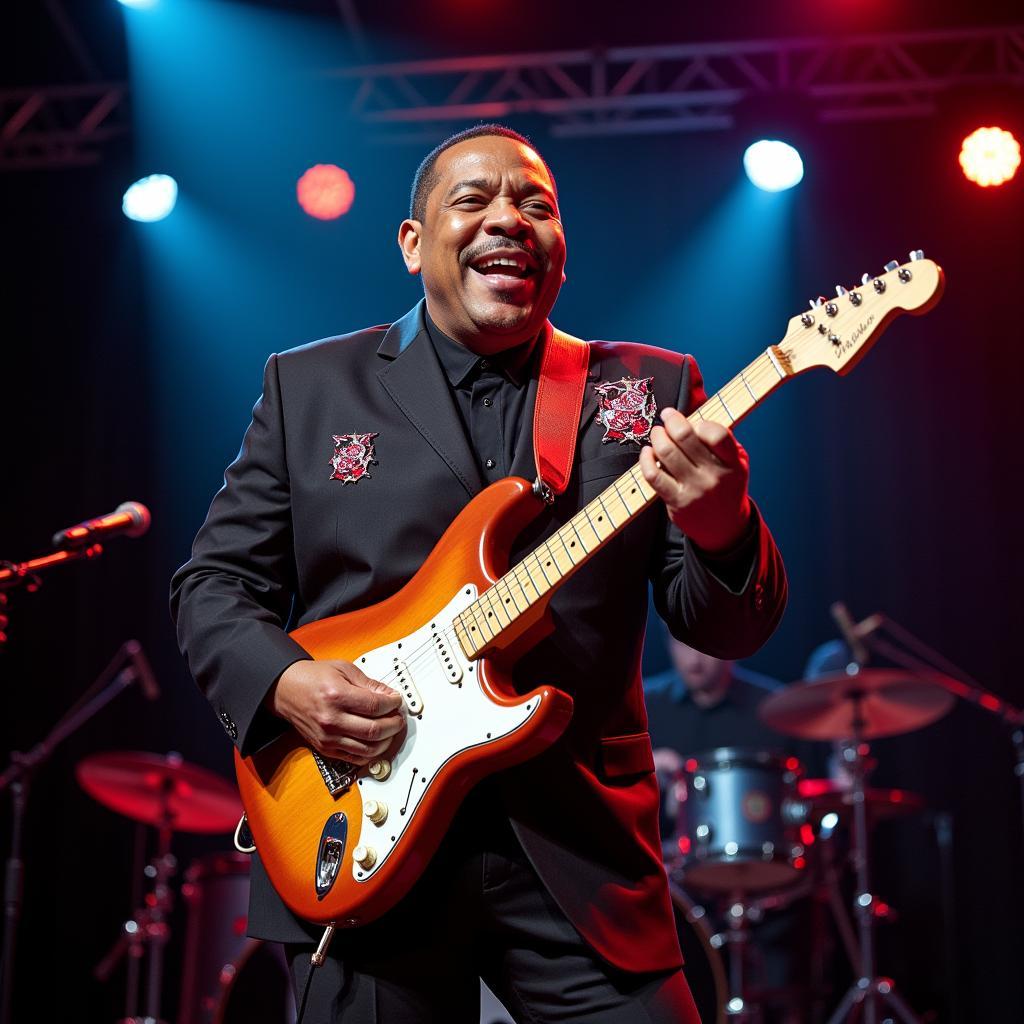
(704, 967)
(257, 987)
(227, 977)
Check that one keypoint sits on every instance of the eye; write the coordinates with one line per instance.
(469, 200)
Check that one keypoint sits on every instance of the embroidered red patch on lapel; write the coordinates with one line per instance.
(626, 409)
(353, 454)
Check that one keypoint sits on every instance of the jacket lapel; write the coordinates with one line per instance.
(416, 383)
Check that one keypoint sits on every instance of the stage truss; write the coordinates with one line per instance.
(592, 92)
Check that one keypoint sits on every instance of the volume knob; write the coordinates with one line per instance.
(376, 811)
(380, 770)
(365, 856)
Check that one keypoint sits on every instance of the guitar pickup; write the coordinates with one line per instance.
(410, 694)
(450, 664)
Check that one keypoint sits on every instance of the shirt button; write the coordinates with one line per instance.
(488, 403)
(490, 463)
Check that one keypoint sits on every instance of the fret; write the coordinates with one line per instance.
(563, 563)
(498, 608)
(505, 582)
(544, 571)
(523, 578)
(600, 500)
(598, 521)
(579, 536)
(576, 554)
(479, 623)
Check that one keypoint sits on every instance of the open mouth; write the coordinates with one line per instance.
(506, 266)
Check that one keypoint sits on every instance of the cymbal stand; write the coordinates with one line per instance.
(868, 991)
(739, 1008)
(146, 932)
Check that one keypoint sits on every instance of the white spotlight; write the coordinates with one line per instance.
(151, 198)
(773, 165)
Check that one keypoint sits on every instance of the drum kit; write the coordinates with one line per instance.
(227, 978)
(752, 835)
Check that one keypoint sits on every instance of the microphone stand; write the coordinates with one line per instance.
(116, 677)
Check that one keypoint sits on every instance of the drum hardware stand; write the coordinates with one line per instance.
(740, 1007)
(868, 990)
(147, 930)
(917, 657)
(116, 677)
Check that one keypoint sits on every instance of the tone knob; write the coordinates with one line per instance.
(376, 811)
(365, 856)
(380, 770)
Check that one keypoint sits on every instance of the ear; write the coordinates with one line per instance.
(409, 234)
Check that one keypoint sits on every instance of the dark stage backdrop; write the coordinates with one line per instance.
(133, 354)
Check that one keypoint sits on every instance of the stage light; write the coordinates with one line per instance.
(773, 165)
(151, 198)
(140, 4)
(990, 156)
(325, 192)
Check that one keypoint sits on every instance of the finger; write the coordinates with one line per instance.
(370, 697)
(686, 435)
(674, 460)
(721, 442)
(367, 730)
(665, 485)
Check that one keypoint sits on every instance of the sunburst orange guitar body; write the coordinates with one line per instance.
(465, 721)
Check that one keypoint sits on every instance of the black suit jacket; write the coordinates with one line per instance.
(284, 545)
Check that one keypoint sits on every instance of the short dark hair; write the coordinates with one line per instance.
(425, 179)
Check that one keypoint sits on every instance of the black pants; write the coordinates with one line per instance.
(479, 910)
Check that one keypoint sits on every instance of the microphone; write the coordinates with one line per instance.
(851, 632)
(130, 518)
(143, 671)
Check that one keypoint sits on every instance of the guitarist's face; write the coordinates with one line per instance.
(493, 200)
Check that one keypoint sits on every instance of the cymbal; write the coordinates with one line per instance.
(158, 790)
(826, 795)
(891, 701)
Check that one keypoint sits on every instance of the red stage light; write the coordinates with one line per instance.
(990, 156)
(325, 192)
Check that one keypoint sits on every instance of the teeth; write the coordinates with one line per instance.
(501, 261)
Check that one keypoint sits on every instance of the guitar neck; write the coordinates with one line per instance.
(552, 562)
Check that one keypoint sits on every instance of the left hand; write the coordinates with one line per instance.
(700, 471)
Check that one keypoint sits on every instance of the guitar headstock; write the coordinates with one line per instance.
(838, 332)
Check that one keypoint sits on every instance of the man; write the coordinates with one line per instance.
(549, 883)
(704, 702)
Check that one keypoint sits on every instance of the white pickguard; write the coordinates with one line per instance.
(454, 717)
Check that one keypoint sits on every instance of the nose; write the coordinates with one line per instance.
(505, 218)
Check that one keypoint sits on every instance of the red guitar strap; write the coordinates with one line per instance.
(556, 416)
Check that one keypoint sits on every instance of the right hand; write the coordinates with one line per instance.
(339, 710)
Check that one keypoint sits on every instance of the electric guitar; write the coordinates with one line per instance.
(343, 844)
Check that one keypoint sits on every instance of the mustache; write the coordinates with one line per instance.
(468, 256)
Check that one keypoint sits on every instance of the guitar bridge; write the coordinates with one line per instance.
(338, 775)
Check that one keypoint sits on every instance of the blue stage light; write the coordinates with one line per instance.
(151, 198)
(138, 3)
(773, 165)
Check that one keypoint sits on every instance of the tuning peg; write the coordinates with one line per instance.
(815, 303)
(865, 279)
(916, 254)
(891, 265)
(841, 291)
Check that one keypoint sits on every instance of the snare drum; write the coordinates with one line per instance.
(737, 829)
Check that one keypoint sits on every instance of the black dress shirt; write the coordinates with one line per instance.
(490, 394)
